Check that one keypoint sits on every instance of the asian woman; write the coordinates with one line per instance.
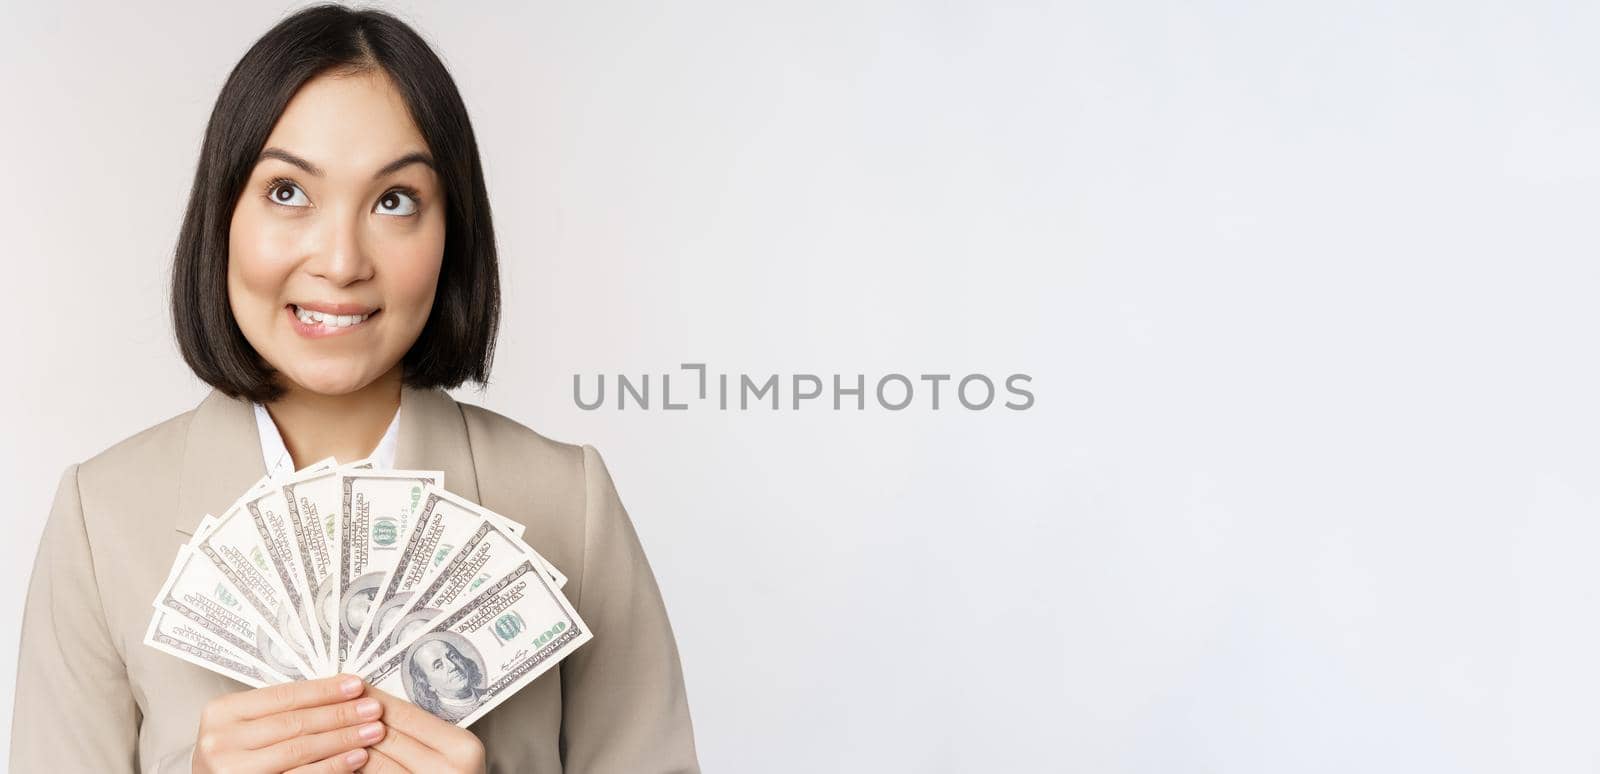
(335, 272)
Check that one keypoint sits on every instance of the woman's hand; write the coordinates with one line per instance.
(303, 727)
(419, 743)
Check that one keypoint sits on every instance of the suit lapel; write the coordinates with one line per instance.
(433, 436)
(221, 459)
(222, 456)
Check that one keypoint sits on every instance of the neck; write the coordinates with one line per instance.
(346, 427)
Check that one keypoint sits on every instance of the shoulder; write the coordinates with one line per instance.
(546, 484)
(497, 438)
(113, 512)
(566, 472)
(516, 463)
(145, 460)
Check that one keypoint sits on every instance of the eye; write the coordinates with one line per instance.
(399, 202)
(282, 191)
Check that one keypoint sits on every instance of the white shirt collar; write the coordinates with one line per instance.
(276, 456)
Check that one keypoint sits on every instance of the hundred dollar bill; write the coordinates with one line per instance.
(484, 555)
(282, 536)
(376, 511)
(485, 649)
(439, 528)
(445, 523)
(251, 555)
(197, 645)
(197, 642)
(202, 594)
(312, 499)
(515, 529)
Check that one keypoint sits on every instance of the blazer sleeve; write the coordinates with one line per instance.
(74, 709)
(624, 708)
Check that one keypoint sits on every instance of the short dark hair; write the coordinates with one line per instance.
(457, 343)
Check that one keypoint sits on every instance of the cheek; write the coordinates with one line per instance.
(413, 268)
(259, 263)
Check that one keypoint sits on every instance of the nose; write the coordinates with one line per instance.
(340, 257)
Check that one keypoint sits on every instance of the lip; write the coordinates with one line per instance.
(318, 306)
(321, 331)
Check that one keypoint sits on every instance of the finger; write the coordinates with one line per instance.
(258, 733)
(415, 721)
(334, 764)
(301, 750)
(411, 754)
(298, 694)
(378, 763)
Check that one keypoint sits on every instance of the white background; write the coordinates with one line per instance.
(1306, 290)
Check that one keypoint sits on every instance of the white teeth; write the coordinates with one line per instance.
(310, 317)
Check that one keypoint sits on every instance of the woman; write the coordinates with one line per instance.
(335, 271)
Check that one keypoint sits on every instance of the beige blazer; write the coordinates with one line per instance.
(91, 697)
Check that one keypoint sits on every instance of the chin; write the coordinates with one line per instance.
(331, 381)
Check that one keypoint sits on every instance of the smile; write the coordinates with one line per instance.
(330, 320)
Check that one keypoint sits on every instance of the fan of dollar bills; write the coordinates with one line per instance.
(380, 573)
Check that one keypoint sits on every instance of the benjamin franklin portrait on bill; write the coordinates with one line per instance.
(357, 603)
(444, 675)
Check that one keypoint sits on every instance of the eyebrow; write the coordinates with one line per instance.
(415, 157)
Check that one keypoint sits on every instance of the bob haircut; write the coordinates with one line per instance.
(457, 342)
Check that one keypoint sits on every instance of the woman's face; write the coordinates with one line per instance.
(332, 269)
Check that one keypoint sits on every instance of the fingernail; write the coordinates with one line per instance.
(350, 686)
(367, 708)
(355, 757)
(370, 732)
